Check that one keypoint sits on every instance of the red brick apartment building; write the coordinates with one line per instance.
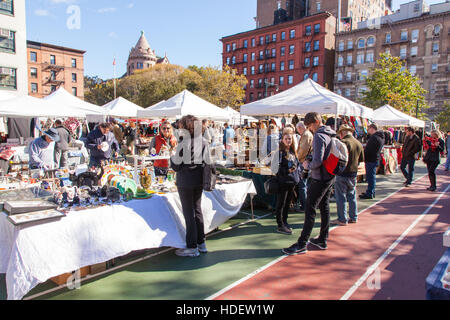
(278, 57)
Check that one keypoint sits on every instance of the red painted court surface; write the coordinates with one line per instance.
(400, 238)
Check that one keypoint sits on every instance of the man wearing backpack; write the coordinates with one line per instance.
(345, 187)
(319, 190)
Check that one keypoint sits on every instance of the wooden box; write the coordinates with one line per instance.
(62, 279)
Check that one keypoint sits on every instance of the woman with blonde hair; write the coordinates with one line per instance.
(285, 166)
(433, 147)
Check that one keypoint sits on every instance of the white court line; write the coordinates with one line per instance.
(373, 267)
(254, 273)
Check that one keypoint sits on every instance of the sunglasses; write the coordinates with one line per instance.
(166, 129)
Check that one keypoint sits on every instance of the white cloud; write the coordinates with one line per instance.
(106, 10)
(41, 12)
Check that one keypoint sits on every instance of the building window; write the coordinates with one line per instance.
(371, 41)
(228, 48)
(7, 6)
(361, 43)
(348, 76)
(403, 53)
(282, 66)
(253, 42)
(308, 46)
(274, 37)
(140, 65)
(33, 73)
(404, 36)
(291, 49)
(290, 79)
(341, 46)
(268, 39)
(251, 96)
(244, 72)
(274, 67)
(316, 45)
(317, 28)
(252, 84)
(347, 92)
(305, 76)
(414, 36)
(434, 67)
(432, 88)
(8, 78)
(261, 40)
(339, 92)
(228, 61)
(274, 53)
(291, 64)
(292, 34)
(260, 83)
(74, 91)
(245, 43)
(436, 48)
(315, 77)
(318, 6)
(307, 62)
(388, 38)
(307, 30)
(437, 29)
(283, 35)
(33, 56)
(340, 61)
(350, 44)
(315, 61)
(283, 51)
(74, 63)
(349, 60)
(261, 68)
(339, 76)
(261, 55)
(253, 69)
(233, 60)
(53, 75)
(234, 46)
(387, 51)
(245, 58)
(53, 88)
(34, 87)
(413, 51)
(369, 57)
(413, 70)
(360, 58)
(52, 59)
(7, 41)
(281, 81)
(253, 56)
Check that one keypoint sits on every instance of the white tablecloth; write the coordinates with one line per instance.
(34, 253)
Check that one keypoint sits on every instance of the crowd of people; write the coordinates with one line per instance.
(297, 160)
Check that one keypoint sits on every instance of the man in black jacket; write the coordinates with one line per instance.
(101, 143)
(372, 156)
(411, 147)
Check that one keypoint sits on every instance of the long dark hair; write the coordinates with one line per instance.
(284, 148)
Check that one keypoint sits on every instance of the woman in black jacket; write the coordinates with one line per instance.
(433, 146)
(285, 165)
(190, 185)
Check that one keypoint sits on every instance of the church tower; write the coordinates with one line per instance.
(142, 56)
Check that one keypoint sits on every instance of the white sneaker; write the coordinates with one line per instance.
(202, 248)
(187, 252)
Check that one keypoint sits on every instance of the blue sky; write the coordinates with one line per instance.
(188, 30)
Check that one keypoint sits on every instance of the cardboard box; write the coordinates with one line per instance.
(62, 279)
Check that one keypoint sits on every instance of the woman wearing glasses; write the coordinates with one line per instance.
(165, 140)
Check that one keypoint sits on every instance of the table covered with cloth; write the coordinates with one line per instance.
(33, 253)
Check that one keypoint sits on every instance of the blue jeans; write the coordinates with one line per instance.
(371, 175)
(447, 163)
(302, 187)
(409, 175)
(345, 192)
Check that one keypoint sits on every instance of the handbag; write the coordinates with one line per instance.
(272, 186)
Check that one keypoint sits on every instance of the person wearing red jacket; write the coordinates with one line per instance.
(165, 140)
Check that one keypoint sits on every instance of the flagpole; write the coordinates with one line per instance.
(114, 75)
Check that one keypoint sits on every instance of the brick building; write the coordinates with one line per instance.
(50, 67)
(277, 57)
(353, 10)
(418, 34)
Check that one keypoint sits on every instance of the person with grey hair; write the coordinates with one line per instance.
(62, 146)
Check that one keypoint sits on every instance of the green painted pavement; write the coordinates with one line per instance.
(233, 255)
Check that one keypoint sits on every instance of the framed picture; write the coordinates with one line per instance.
(20, 219)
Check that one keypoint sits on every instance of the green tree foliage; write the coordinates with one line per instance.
(443, 118)
(161, 82)
(389, 84)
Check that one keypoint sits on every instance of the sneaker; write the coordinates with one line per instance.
(187, 252)
(339, 222)
(296, 248)
(284, 230)
(432, 189)
(366, 197)
(352, 221)
(322, 245)
(407, 185)
(202, 248)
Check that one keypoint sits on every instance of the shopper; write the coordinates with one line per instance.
(285, 166)
(433, 147)
(102, 144)
(304, 150)
(372, 157)
(272, 137)
(42, 151)
(165, 140)
(345, 186)
(447, 148)
(319, 189)
(411, 147)
(131, 136)
(62, 146)
(228, 138)
(190, 186)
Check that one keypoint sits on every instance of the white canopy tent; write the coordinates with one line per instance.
(389, 116)
(236, 117)
(63, 98)
(5, 95)
(182, 104)
(30, 107)
(122, 108)
(308, 96)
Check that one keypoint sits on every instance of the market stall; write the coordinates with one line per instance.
(391, 117)
(63, 98)
(122, 108)
(238, 119)
(32, 253)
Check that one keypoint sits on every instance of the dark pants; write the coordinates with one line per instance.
(284, 198)
(431, 167)
(61, 158)
(318, 197)
(191, 201)
(371, 176)
(409, 175)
